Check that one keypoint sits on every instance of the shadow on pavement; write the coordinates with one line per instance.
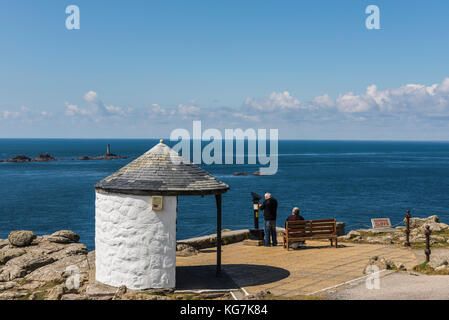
(233, 276)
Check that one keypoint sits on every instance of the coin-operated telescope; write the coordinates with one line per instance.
(256, 233)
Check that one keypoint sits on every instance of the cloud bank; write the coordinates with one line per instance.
(427, 105)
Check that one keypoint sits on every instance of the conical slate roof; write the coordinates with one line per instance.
(162, 171)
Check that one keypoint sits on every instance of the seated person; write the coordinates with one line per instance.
(295, 217)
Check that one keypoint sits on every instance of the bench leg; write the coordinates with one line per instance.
(332, 243)
(336, 243)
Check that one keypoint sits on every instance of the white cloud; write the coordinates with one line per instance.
(413, 100)
(351, 103)
(73, 110)
(323, 101)
(275, 101)
(6, 114)
(187, 111)
(91, 97)
(97, 109)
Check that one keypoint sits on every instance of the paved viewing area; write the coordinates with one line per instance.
(284, 273)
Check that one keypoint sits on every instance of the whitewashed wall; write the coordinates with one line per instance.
(135, 246)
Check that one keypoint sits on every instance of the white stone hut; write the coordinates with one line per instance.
(135, 218)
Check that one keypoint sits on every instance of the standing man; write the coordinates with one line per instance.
(269, 207)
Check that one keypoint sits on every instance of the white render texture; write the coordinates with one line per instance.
(134, 245)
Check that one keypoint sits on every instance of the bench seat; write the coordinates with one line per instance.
(303, 230)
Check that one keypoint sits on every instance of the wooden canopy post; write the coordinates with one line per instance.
(218, 200)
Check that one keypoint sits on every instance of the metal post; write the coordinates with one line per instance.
(407, 229)
(218, 200)
(108, 150)
(428, 252)
(256, 214)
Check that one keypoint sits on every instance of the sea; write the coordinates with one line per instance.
(352, 181)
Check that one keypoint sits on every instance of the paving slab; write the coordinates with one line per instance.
(395, 286)
(293, 272)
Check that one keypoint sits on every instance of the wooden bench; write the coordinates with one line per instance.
(302, 230)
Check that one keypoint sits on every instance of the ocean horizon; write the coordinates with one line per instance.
(352, 181)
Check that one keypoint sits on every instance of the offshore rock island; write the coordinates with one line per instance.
(49, 158)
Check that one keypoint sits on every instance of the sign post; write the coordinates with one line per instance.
(381, 223)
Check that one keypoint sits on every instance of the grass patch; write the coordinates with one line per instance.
(425, 268)
(49, 285)
(371, 234)
(444, 233)
(41, 295)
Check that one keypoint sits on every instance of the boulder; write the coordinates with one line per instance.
(437, 261)
(185, 250)
(380, 262)
(418, 222)
(56, 239)
(72, 236)
(21, 238)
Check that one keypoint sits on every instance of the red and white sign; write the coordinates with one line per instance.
(381, 223)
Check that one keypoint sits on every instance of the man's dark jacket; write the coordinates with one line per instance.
(269, 207)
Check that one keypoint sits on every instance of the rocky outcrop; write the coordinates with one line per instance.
(45, 158)
(104, 157)
(19, 158)
(34, 267)
(439, 236)
(23, 158)
(382, 263)
(44, 269)
(419, 225)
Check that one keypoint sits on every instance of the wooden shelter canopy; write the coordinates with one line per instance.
(162, 171)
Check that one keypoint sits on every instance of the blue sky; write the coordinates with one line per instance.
(143, 68)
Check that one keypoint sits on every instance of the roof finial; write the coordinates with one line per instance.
(161, 141)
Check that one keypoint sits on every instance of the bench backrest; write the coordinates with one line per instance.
(310, 228)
